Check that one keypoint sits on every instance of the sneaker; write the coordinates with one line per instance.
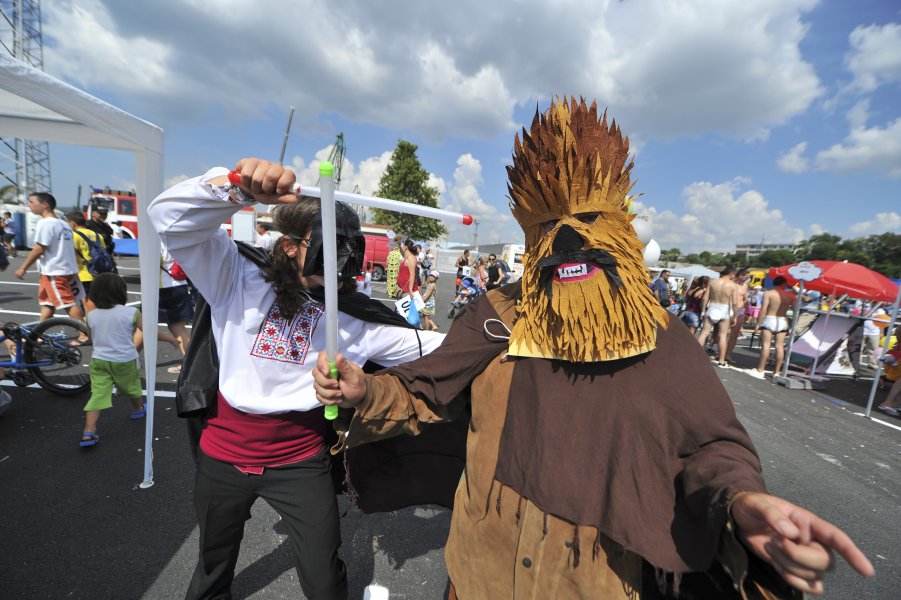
(756, 374)
(889, 410)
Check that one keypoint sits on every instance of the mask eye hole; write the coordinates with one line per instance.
(548, 226)
(588, 218)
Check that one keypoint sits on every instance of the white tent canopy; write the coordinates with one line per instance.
(34, 105)
(694, 271)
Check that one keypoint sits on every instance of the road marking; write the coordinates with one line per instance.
(36, 285)
(880, 421)
(157, 393)
(34, 314)
(19, 312)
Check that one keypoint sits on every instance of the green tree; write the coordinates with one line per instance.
(405, 180)
(774, 258)
(671, 255)
(823, 246)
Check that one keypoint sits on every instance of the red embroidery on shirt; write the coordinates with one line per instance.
(287, 341)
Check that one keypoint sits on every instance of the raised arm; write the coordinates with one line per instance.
(189, 218)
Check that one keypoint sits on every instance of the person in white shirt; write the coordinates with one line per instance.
(265, 437)
(264, 238)
(54, 251)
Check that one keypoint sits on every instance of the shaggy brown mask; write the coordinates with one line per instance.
(585, 295)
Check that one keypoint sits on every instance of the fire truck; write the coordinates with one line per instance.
(120, 206)
(123, 207)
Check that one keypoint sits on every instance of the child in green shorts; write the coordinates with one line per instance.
(111, 326)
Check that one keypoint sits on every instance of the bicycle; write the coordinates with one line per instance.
(45, 355)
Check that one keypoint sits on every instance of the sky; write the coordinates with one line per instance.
(751, 120)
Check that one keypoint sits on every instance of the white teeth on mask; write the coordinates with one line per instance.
(572, 271)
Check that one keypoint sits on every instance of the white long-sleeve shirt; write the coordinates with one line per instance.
(265, 361)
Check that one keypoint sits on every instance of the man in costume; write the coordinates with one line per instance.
(585, 476)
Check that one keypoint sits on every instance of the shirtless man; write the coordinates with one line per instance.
(773, 322)
(744, 292)
(720, 305)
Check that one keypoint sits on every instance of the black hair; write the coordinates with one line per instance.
(411, 247)
(76, 217)
(779, 281)
(727, 271)
(45, 197)
(108, 290)
(295, 221)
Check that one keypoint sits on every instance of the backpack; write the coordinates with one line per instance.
(101, 261)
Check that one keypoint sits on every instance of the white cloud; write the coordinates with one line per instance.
(366, 176)
(875, 56)
(859, 114)
(875, 149)
(175, 179)
(665, 69)
(885, 222)
(463, 196)
(815, 229)
(794, 160)
(717, 217)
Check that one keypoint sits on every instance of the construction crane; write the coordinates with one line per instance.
(336, 157)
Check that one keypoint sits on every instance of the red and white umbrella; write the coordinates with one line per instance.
(844, 278)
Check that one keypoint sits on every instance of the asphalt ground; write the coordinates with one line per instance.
(75, 524)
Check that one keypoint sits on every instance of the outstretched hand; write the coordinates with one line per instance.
(347, 391)
(268, 183)
(798, 543)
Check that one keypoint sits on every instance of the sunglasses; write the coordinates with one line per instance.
(307, 242)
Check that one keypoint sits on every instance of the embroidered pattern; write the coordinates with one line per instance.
(287, 341)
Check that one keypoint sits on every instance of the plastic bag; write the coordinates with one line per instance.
(413, 316)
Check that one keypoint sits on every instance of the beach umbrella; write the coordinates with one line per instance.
(844, 278)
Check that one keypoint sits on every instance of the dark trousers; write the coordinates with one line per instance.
(301, 493)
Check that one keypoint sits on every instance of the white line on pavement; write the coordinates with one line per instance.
(157, 393)
(880, 421)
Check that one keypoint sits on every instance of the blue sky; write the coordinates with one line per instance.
(751, 120)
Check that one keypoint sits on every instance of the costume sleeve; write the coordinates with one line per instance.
(388, 345)
(188, 218)
(717, 459)
(401, 399)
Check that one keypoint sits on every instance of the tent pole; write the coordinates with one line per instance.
(149, 170)
(888, 337)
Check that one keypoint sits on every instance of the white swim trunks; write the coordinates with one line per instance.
(774, 324)
(717, 312)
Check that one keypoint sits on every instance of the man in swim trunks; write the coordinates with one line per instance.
(744, 292)
(720, 305)
(773, 322)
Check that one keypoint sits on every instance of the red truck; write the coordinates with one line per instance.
(377, 249)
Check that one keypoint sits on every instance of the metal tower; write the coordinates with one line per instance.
(24, 164)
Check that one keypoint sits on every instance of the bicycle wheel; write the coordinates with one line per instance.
(69, 374)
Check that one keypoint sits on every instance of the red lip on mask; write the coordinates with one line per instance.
(572, 272)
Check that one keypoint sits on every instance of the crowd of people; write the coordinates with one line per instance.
(722, 310)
